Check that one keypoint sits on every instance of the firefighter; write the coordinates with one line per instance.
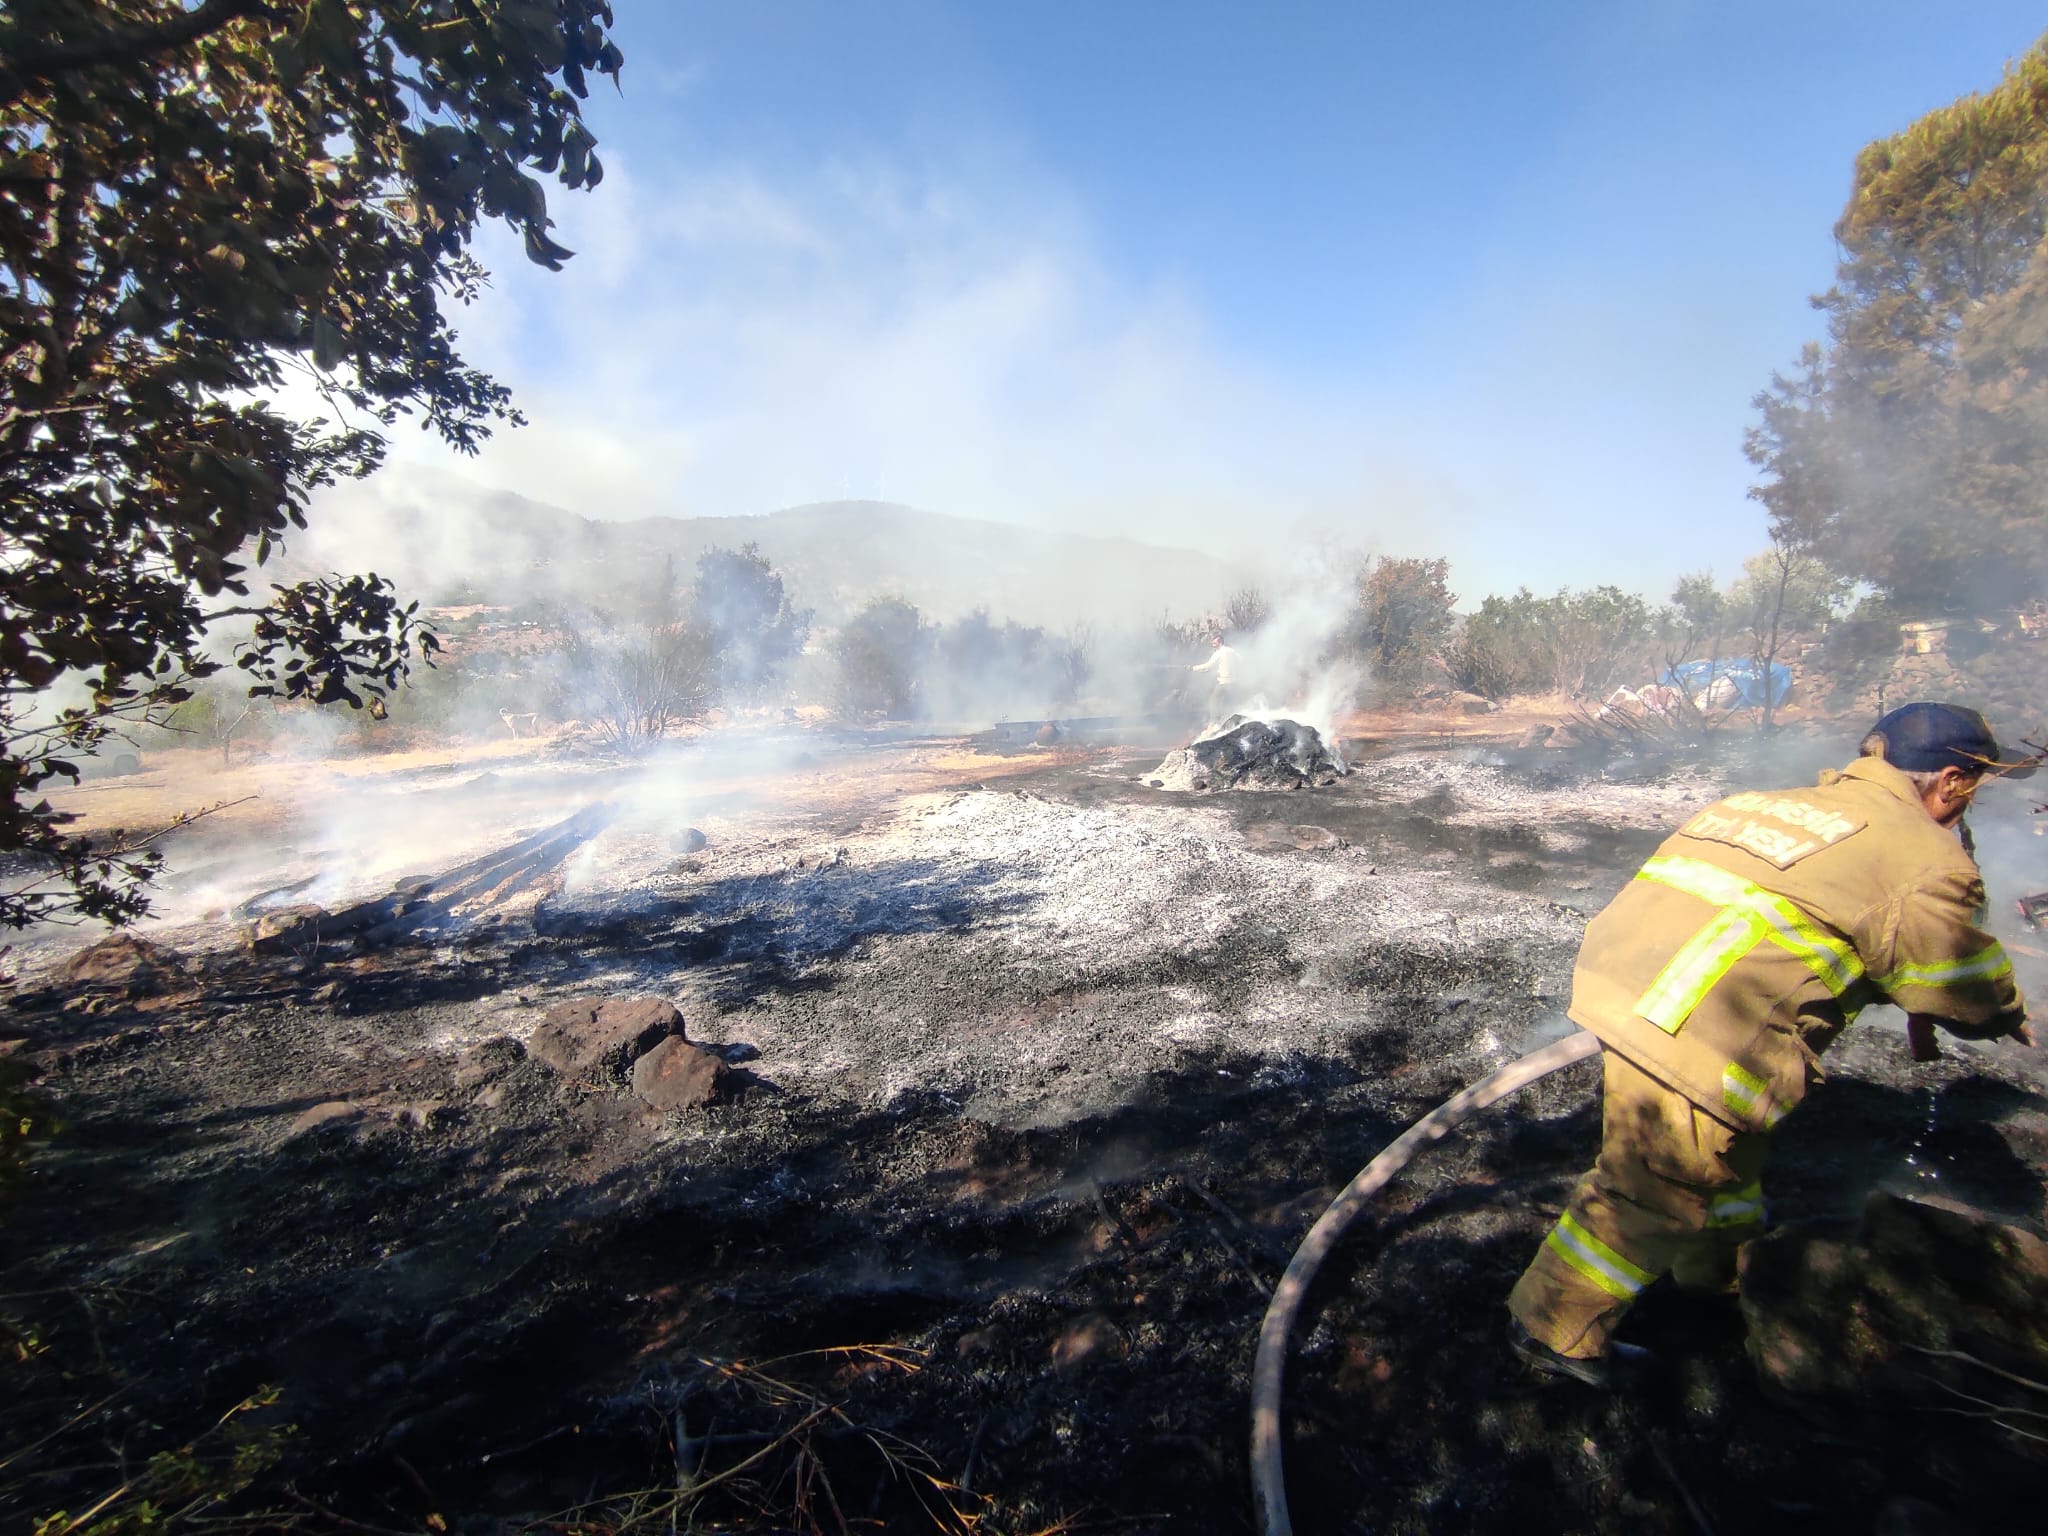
(1715, 980)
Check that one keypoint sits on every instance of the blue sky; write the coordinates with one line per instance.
(1493, 281)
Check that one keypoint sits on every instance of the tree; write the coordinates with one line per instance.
(1246, 610)
(1575, 642)
(739, 602)
(1589, 636)
(199, 202)
(1406, 611)
(213, 714)
(1073, 662)
(1911, 449)
(1785, 589)
(1494, 651)
(880, 655)
(1692, 627)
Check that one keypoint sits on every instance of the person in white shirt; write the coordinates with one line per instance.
(1222, 660)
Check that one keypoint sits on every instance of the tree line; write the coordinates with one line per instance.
(201, 205)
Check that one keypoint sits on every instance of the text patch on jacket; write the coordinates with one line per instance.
(1781, 828)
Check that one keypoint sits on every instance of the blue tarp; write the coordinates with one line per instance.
(1746, 675)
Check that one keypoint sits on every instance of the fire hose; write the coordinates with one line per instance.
(1269, 1370)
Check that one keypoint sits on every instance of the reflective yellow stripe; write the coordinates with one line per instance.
(1698, 878)
(1737, 1207)
(1831, 959)
(1985, 965)
(1749, 915)
(1705, 958)
(1748, 1095)
(1596, 1261)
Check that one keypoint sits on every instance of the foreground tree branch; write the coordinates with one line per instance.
(197, 202)
(23, 63)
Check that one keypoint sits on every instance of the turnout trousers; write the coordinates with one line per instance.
(1675, 1192)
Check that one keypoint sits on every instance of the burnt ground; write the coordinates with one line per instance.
(1046, 1077)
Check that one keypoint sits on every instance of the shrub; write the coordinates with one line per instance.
(879, 658)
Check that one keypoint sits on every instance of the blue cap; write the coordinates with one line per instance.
(1926, 738)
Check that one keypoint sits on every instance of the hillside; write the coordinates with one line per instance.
(446, 538)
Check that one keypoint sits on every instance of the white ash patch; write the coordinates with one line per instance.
(1466, 793)
(1035, 959)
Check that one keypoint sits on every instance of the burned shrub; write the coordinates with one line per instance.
(635, 686)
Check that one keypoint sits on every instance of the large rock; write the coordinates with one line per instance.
(287, 930)
(598, 1039)
(1886, 1314)
(122, 962)
(679, 1075)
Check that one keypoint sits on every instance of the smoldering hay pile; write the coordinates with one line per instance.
(1244, 753)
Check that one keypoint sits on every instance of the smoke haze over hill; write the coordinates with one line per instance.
(442, 537)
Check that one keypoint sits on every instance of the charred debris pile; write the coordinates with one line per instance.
(1244, 753)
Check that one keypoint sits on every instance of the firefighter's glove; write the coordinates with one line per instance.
(1920, 1036)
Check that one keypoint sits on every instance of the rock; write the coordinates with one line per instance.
(426, 1115)
(1471, 704)
(689, 840)
(679, 1075)
(988, 1340)
(1854, 1318)
(1535, 736)
(487, 1061)
(121, 961)
(125, 764)
(1088, 1340)
(1313, 839)
(285, 930)
(599, 1039)
(330, 1113)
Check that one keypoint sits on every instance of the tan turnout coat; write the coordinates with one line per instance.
(1765, 923)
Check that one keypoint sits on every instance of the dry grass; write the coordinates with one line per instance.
(781, 1478)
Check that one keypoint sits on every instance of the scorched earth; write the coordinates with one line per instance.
(1011, 1084)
